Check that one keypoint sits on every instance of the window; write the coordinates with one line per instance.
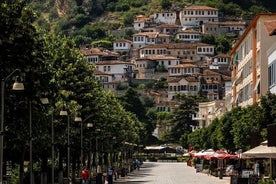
(272, 74)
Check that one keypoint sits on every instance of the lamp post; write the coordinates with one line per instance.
(46, 101)
(82, 122)
(65, 113)
(31, 143)
(16, 86)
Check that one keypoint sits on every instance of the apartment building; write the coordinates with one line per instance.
(271, 27)
(252, 56)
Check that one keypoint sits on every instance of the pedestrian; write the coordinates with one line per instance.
(85, 175)
(137, 164)
(257, 169)
(110, 175)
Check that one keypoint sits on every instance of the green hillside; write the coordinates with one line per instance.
(88, 20)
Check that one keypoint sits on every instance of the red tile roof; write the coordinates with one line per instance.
(195, 7)
(176, 45)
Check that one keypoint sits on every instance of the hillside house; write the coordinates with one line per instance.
(220, 61)
(183, 70)
(213, 83)
(153, 64)
(192, 51)
(146, 38)
(142, 22)
(118, 69)
(223, 28)
(189, 36)
(122, 46)
(185, 85)
(250, 61)
(165, 17)
(169, 29)
(106, 80)
(96, 55)
(195, 16)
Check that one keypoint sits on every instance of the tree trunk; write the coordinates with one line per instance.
(60, 169)
(21, 167)
(44, 168)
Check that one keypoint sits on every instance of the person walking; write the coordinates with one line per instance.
(85, 175)
(110, 175)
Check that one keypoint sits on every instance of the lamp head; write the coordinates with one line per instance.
(77, 119)
(63, 113)
(17, 85)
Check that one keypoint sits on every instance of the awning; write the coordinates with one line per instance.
(235, 58)
(261, 151)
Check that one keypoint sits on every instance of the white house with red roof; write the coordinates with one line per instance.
(146, 38)
(142, 22)
(95, 55)
(122, 45)
(195, 16)
(118, 69)
(192, 51)
(183, 70)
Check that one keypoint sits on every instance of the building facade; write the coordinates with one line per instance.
(250, 62)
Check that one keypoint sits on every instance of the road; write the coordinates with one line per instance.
(169, 173)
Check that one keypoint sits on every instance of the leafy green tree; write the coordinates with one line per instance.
(128, 19)
(182, 121)
(209, 39)
(268, 105)
(132, 103)
(246, 129)
(223, 44)
(165, 4)
(20, 49)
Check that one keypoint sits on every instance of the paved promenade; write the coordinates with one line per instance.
(169, 173)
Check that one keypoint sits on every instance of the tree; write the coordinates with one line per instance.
(20, 49)
(165, 4)
(182, 116)
(223, 45)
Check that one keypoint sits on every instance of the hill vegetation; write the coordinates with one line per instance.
(89, 20)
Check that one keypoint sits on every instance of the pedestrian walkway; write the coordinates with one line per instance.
(169, 173)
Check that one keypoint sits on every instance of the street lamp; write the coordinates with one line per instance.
(78, 119)
(16, 86)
